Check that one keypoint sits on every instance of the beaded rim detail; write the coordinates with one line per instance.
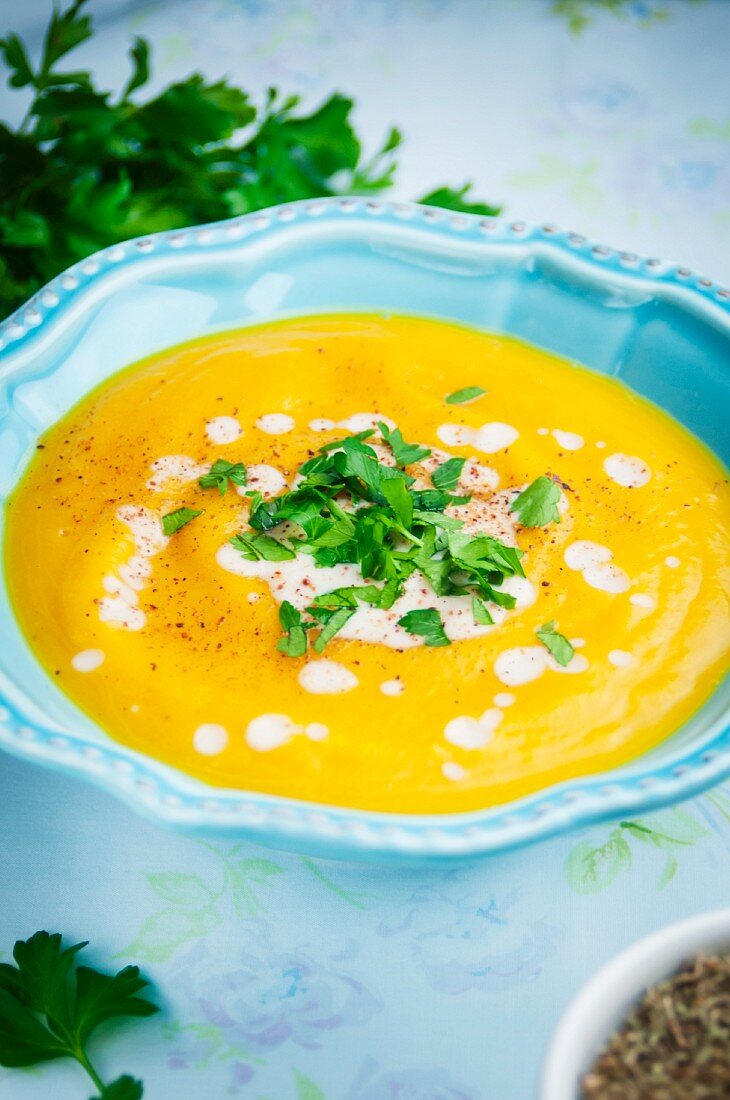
(166, 795)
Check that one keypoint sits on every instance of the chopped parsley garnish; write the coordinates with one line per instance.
(403, 453)
(294, 644)
(465, 396)
(427, 624)
(555, 643)
(480, 612)
(173, 521)
(262, 548)
(220, 473)
(446, 476)
(349, 507)
(537, 505)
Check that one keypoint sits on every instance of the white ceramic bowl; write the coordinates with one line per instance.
(605, 1002)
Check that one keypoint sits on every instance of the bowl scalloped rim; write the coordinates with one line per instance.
(169, 797)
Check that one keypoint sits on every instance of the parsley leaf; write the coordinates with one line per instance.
(173, 521)
(400, 500)
(556, 644)
(404, 453)
(221, 472)
(480, 612)
(348, 597)
(465, 396)
(295, 642)
(446, 476)
(427, 624)
(49, 1010)
(333, 623)
(124, 1088)
(262, 548)
(537, 505)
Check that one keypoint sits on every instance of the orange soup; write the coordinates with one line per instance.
(495, 571)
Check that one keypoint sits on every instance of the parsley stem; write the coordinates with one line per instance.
(82, 1058)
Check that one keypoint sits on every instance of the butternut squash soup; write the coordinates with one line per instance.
(388, 563)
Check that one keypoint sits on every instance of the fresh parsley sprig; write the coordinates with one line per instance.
(446, 476)
(537, 505)
(465, 396)
(172, 522)
(427, 624)
(220, 473)
(50, 1008)
(556, 644)
(87, 168)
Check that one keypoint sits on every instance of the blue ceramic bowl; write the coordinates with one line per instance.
(659, 327)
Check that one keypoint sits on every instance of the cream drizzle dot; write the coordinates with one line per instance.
(223, 429)
(619, 658)
(451, 770)
(488, 439)
(327, 678)
(275, 423)
(504, 699)
(642, 599)
(392, 687)
(494, 437)
(263, 479)
(593, 561)
(210, 739)
(628, 471)
(88, 660)
(671, 562)
(569, 441)
(606, 578)
(473, 733)
(271, 731)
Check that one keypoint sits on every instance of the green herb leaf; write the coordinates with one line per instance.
(480, 612)
(451, 198)
(404, 453)
(427, 624)
(295, 642)
(400, 500)
(48, 1010)
(124, 1088)
(348, 597)
(220, 473)
(173, 521)
(17, 61)
(262, 548)
(333, 625)
(446, 476)
(465, 396)
(556, 644)
(537, 505)
(140, 55)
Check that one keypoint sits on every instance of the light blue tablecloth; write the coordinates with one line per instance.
(284, 978)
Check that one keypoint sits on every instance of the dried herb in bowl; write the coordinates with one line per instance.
(675, 1045)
